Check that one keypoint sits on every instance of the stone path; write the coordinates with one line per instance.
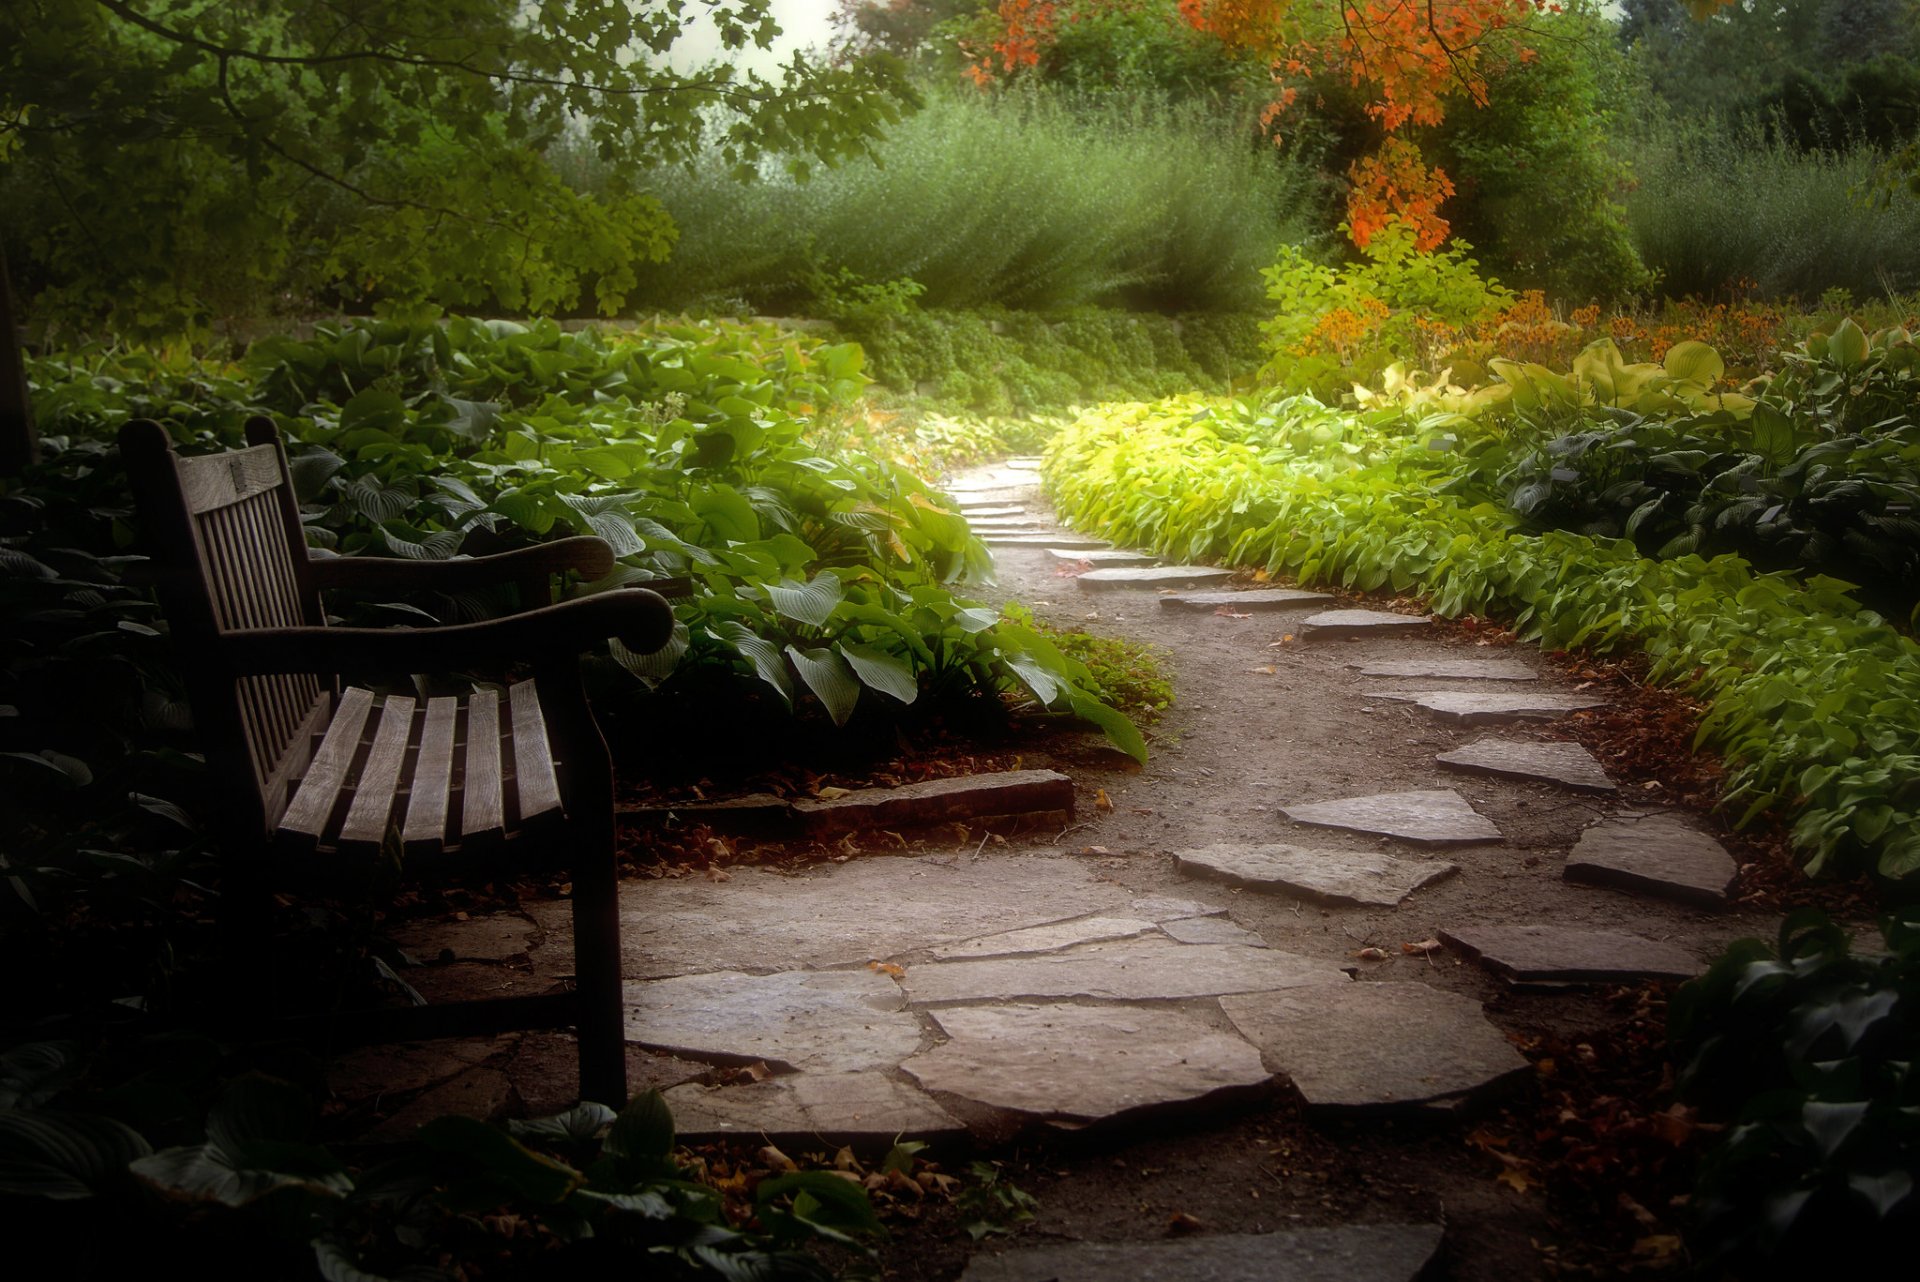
(1154, 958)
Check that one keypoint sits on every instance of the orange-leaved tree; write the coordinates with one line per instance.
(1411, 60)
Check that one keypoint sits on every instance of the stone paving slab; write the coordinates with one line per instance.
(989, 511)
(752, 812)
(1565, 953)
(837, 1108)
(1363, 877)
(1488, 708)
(1212, 930)
(1043, 541)
(817, 1021)
(1165, 908)
(1566, 764)
(1249, 601)
(1436, 817)
(1005, 792)
(401, 1067)
(764, 920)
(1159, 576)
(1124, 970)
(1350, 1253)
(1103, 556)
(1376, 1045)
(1330, 625)
(1438, 666)
(1082, 1063)
(1010, 525)
(480, 1093)
(1046, 939)
(1654, 855)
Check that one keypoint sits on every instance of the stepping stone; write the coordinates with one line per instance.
(1082, 1063)
(992, 511)
(1350, 1253)
(817, 1021)
(1567, 764)
(839, 1108)
(1376, 1045)
(1164, 908)
(1146, 969)
(1654, 854)
(1160, 576)
(993, 540)
(754, 812)
(833, 914)
(1483, 708)
(1211, 930)
(1047, 939)
(1002, 792)
(1329, 625)
(1466, 669)
(1439, 817)
(1024, 463)
(1324, 876)
(1251, 601)
(1563, 954)
(1104, 556)
(1011, 525)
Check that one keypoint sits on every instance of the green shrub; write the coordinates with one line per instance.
(1721, 209)
(1806, 1054)
(1026, 200)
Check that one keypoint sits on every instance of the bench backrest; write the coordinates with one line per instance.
(224, 532)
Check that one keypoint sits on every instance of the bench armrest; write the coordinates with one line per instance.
(642, 620)
(585, 554)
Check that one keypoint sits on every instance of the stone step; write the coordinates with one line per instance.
(1436, 817)
(1160, 576)
(1491, 708)
(1566, 764)
(1049, 540)
(1332, 625)
(1436, 666)
(1248, 600)
(1102, 556)
(1568, 954)
(1322, 876)
(989, 511)
(1653, 855)
(864, 1110)
(1007, 792)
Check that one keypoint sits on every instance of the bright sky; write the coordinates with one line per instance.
(803, 23)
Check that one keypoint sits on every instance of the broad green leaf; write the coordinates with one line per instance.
(1694, 362)
(1122, 733)
(763, 654)
(1847, 346)
(831, 680)
(488, 1152)
(63, 1156)
(882, 671)
(578, 1125)
(811, 602)
(644, 1129)
(657, 666)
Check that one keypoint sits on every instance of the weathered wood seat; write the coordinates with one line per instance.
(324, 774)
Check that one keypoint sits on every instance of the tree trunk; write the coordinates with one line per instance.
(19, 443)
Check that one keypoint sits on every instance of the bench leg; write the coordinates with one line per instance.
(596, 968)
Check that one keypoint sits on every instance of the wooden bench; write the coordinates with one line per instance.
(325, 775)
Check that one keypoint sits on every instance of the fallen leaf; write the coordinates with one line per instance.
(1516, 1179)
(1095, 850)
(777, 1160)
(887, 968)
(844, 1160)
(1261, 576)
(719, 874)
(833, 794)
(1228, 612)
(1675, 1125)
(1100, 801)
(1659, 1246)
(1423, 947)
(1182, 1224)
(1265, 671)
(1140, 810)
(1371, 954)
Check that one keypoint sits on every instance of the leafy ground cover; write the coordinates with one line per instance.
(1809, 692)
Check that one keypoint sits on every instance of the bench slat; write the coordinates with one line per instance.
(216, 480)
(373, 794)
(482, 814)
(426, 827)
(534, 780)
(319, 793)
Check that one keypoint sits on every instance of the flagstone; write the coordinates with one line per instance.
(1481, 707)
(842, 1108)
(1439, 666)
(1433, 817)
(1567, 764)
(1328, 876)
(1247, 601)
(1158, 576)
(818, 1021)
(1656, 855)
(1334, 624)
(1565, 953)
(1142, 969)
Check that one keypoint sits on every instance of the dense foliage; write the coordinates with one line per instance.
(1805, 1052)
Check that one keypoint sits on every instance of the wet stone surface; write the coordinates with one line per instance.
(1144, 969)
(1376, 1045)
(1082, 1062)
(1438, 817)
(1570, 954)
(1654, 855)
(1102, 556)
(1351, 1253)
(1326, 876)
(1566, 764)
